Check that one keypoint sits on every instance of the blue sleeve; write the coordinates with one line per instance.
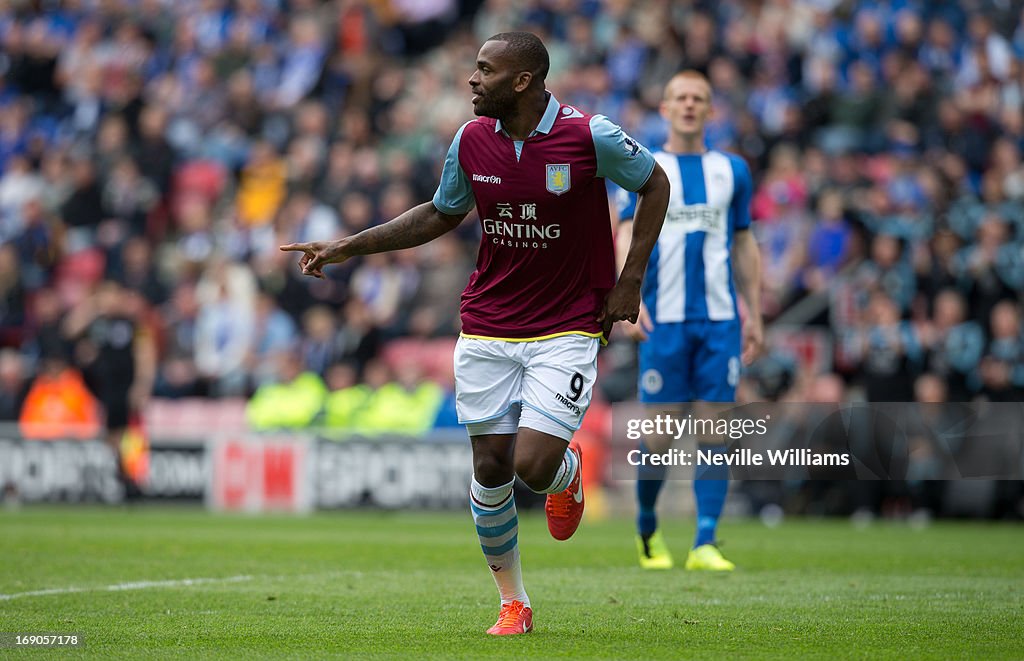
(619, 157)
(743, 192)
(454, 195)
(625, 203)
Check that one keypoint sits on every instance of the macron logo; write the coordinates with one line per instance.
(486, 178)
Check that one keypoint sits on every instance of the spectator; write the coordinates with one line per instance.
(261, 188)
(359, 337)
(828, 243)
(445, 268)
(224, 328)
(18, 185)
(83, 210)
(889, 271)
(58, 404)
(294, 401)
(155, 156)
(1002, 368)
(302, 64)
(309, 220)
(346, 400)
(57, 185)
(111, 144)
(128, 197)
(12, 297)
(13, 384)
(319, 345)
(955, 345)
(976, 267)
(37, 244)
(892, 352)
(406, 406)
(377, 282)
(274, 334)
(178, 375)
(134, 270)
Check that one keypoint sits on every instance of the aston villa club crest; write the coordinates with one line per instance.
(557, 180)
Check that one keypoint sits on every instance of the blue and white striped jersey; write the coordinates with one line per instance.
(689, 275)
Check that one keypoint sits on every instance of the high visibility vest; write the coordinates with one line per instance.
(291, 405)
(60, 406)
(343, 407)
(394, 410)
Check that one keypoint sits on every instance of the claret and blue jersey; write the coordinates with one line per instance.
(546, 260)
(693, 352)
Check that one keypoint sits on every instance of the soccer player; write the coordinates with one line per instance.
(543, 293)
(689, 323)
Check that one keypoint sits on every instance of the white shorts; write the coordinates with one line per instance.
(545, 385)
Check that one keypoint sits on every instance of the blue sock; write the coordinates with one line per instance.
(497, 526)
(648, 485)
(710, 484)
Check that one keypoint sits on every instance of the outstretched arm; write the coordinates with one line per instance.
(623, 301)
(415, 227)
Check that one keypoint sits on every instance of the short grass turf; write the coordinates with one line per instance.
(414, 585)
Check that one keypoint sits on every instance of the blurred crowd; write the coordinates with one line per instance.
(154, 154)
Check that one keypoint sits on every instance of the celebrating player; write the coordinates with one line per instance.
(542, 295)
(689, 324)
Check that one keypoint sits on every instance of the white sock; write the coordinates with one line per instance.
(565, 474)
(497, 526)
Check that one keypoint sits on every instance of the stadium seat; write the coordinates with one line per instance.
(204, 178)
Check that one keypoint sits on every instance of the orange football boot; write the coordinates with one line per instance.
(564, 510)
(515, 618)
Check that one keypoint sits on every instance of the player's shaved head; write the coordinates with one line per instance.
(687, 75)
(526, 52)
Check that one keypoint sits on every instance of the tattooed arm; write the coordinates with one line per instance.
(415, 227)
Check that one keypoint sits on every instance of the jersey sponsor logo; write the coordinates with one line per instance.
(697, 218)
(651, 382)
(520, 235)
(486, 178)
(564, 401)
(557, 179)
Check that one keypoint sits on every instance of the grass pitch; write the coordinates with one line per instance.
(414, 585)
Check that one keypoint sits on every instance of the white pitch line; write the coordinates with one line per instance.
(120, 587)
